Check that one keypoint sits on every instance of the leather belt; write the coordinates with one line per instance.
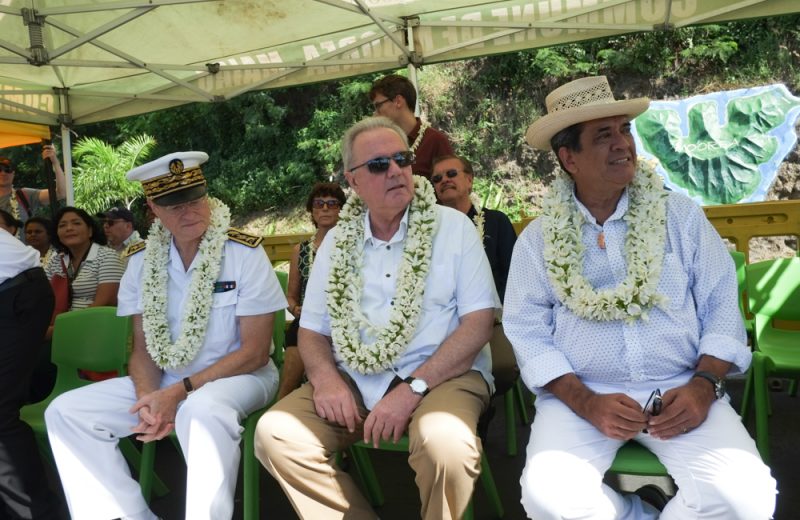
(35, 273)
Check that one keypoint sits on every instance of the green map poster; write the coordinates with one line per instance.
(720, 148)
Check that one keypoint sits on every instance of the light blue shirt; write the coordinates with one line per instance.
(701, 316)
(459, 282)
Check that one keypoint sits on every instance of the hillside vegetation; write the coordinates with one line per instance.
(268, 147)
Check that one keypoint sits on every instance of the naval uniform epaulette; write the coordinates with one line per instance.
(134, 248)
(244, 238)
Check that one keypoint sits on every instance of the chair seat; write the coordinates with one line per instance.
(782, 348)
(635, 459)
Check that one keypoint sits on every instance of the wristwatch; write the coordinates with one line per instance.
(188, 386)
(418, 386)
(718, 382)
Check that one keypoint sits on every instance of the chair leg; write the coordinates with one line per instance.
(490, 487)
(759, 369)
(511, 422)
(793, 387)
(365, 471)
(250, 471)
(143, 463)
(523, 412)
(748, 389)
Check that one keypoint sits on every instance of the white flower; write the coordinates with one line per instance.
(158, 339)
(345, 284)
(644, 250)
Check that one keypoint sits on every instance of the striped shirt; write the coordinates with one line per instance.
(102, 265)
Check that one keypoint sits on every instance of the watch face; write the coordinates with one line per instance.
(720, 389)
(418, 386)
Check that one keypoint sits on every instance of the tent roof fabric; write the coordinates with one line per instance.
(75, 63)
(13, 133)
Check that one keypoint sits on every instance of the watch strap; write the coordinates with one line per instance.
(716, 382)
(187, 385)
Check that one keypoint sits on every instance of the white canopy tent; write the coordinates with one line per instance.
(63, 62)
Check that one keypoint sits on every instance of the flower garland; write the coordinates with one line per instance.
(480, 216)
(644, 250)
(423, 127)
(14, 204)
(158, 338)
(346, 284)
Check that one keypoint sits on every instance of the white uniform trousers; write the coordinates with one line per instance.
(84, 426)
(716, 467)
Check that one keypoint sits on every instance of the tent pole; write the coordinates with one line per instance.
(412, 69)
(66, 145)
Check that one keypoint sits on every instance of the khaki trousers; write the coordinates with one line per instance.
(298, 448)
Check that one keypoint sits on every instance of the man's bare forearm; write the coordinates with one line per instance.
(317, 354)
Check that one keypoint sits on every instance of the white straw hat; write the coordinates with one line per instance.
(581, 100)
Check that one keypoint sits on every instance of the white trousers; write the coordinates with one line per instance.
(716, 467)
(84, 427)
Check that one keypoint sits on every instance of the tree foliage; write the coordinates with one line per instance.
(100, 168)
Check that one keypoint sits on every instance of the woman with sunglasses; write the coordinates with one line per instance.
(324, 203)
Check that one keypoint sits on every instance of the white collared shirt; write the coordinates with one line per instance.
(257, 291)
(701, 317)
(15, 257)
(459, 282)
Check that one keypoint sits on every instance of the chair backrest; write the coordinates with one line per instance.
(279, 323)
(91, 339)
(773, 288)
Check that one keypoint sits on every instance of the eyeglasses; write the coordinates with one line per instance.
(320, 203)
(654, 403)
(6, 168)
(376, 105)
(436, 179)
(181, 208)
(380, 165)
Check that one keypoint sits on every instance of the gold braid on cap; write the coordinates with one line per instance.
(177, 179)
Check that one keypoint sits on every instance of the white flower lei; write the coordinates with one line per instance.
(345, 284)
(480, 217)
(423, 126)
(14, 204)
(158, 338)
(644, 250)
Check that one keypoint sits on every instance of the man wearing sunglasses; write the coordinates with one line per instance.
(399, 307)
(620, 290)
(118, 228)
(395, 97)
(23, 203)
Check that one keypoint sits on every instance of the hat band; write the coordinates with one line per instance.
(599, 93)
(172, 182)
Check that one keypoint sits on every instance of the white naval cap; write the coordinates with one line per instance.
(172, 179)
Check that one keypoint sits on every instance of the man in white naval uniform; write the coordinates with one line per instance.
(216, 372)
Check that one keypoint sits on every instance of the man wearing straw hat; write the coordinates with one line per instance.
(622, 309)
(202, 297)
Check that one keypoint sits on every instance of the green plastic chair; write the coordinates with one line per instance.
(366, 473)
(773, 291)
(250, 465)
(635, 459)
(93, 339)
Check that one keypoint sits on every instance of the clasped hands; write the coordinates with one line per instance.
(334, 401)
(157, 412)
(620, 417)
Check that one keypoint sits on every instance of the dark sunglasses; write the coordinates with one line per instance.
(381, 164)
(6, 168)
(654, 403)
(436, 179)
(319, 203)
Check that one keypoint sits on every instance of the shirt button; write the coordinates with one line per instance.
(388, 248)
(388, 275)
(391, 302)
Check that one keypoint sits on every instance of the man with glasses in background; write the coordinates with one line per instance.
(621, 290)
(119, 231)
(23, 203)
(399, 307)
(395, 97)
(452, 179)
(202, 297)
